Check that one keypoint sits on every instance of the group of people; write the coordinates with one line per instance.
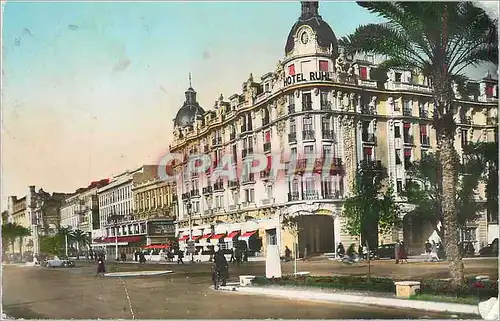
(400, 253)
(433, 250)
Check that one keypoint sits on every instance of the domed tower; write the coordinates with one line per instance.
(190, 110)
(311, 34)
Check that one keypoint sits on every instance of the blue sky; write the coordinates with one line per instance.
(90, 89)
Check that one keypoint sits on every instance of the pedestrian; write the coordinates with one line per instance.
(340, 250)
(101, 267)
(123, 256)
(365, 252)
(221, 265)
(232, 259)
(434, 252)
(180, 256)
(396, 251)
(402, 253)
(245, 255)
(136, 256)
(142, 258)
(288, 254)
(237, 254)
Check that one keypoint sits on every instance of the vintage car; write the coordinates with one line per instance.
(57, 262)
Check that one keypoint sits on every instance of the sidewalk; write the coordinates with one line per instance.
(356, 299)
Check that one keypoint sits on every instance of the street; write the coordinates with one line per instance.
(30, 292)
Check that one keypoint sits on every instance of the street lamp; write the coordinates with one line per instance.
(189, 207)
(115, 218)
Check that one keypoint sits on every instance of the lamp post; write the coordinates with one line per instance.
(115, 219)
(189, 207)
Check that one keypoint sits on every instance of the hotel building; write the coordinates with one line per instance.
(319, 102)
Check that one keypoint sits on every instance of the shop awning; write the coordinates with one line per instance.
(157, 246)
(247, 235)
(195, 237)
(122, 239)
(206, 236)
(231, 236)
(217, 236)
(183, 238)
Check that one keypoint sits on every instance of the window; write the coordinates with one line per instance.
(291, 70)
(327, 151)
(326, 124)
(295, 186)
(398, 156)
(271, 237)
(307, 123)
(397, 77)
(291, 100)
(396, 105)
(269, 191)
(464, 137)
(397, 131)
(293, 126)
(267, 87)
(399, 186)
(309, 150)
(367, 153)
(363, 73)
(489, 91)
(196, 207)
(310, 185)
(219, 201)
(306, 101)
(407, 158)
(423, 153)
(235, 153)
(267, 136)
(250, 195)
(323, 65)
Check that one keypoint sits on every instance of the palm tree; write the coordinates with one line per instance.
(21, 233)
(440, 39)
(81, 238)
(68, 234)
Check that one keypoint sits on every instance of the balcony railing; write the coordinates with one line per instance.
(466, 120)
(307, 106)
(206, 149)
(233, 184)
(292, 137)
(195, 192)
(219, 186)
(407, 112)
(308, 135)
(423, 113)
(246, 128)
(367, 110)
(186, 196)
(425, 140)
(267, 147)
(291, 109)
(293, 197)
(491, 121)
(369, 137)
(332, 194)
(232, 136)
(328, 134)
(326, 105)
(174, 198)
(207, 190)
(376, 164)
(311, 195)
(407, 139)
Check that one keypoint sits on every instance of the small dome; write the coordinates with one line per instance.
(190, 111)
(310, 17)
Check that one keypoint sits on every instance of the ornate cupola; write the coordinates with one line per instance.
(190, 110)
(316, 30)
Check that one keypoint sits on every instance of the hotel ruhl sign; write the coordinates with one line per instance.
(312, 76)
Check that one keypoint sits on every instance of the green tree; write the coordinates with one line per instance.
(485, 154)
(81, 239)
(372, 207)
(440, 39)
(67, 235)
(422, 191)
(22, 232)
(53, 245)
(9, 235)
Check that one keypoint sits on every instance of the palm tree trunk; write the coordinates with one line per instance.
(450, 217)
(444, 124)
(21, 246)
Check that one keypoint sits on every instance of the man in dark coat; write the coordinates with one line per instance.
(237, 254)
(101, 268)
(222, 266)
(397, 251)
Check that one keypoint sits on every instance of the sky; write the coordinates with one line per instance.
(90, 89)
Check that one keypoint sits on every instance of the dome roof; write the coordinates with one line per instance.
(190, 111)
(310, 17)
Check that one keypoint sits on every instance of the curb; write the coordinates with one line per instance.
(365, 300)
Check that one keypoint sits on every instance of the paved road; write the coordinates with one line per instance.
(31, 292)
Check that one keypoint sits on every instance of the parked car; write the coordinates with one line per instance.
(57, 262)
(386, 251)
(490, 249)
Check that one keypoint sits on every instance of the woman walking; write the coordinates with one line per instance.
(101, 268)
